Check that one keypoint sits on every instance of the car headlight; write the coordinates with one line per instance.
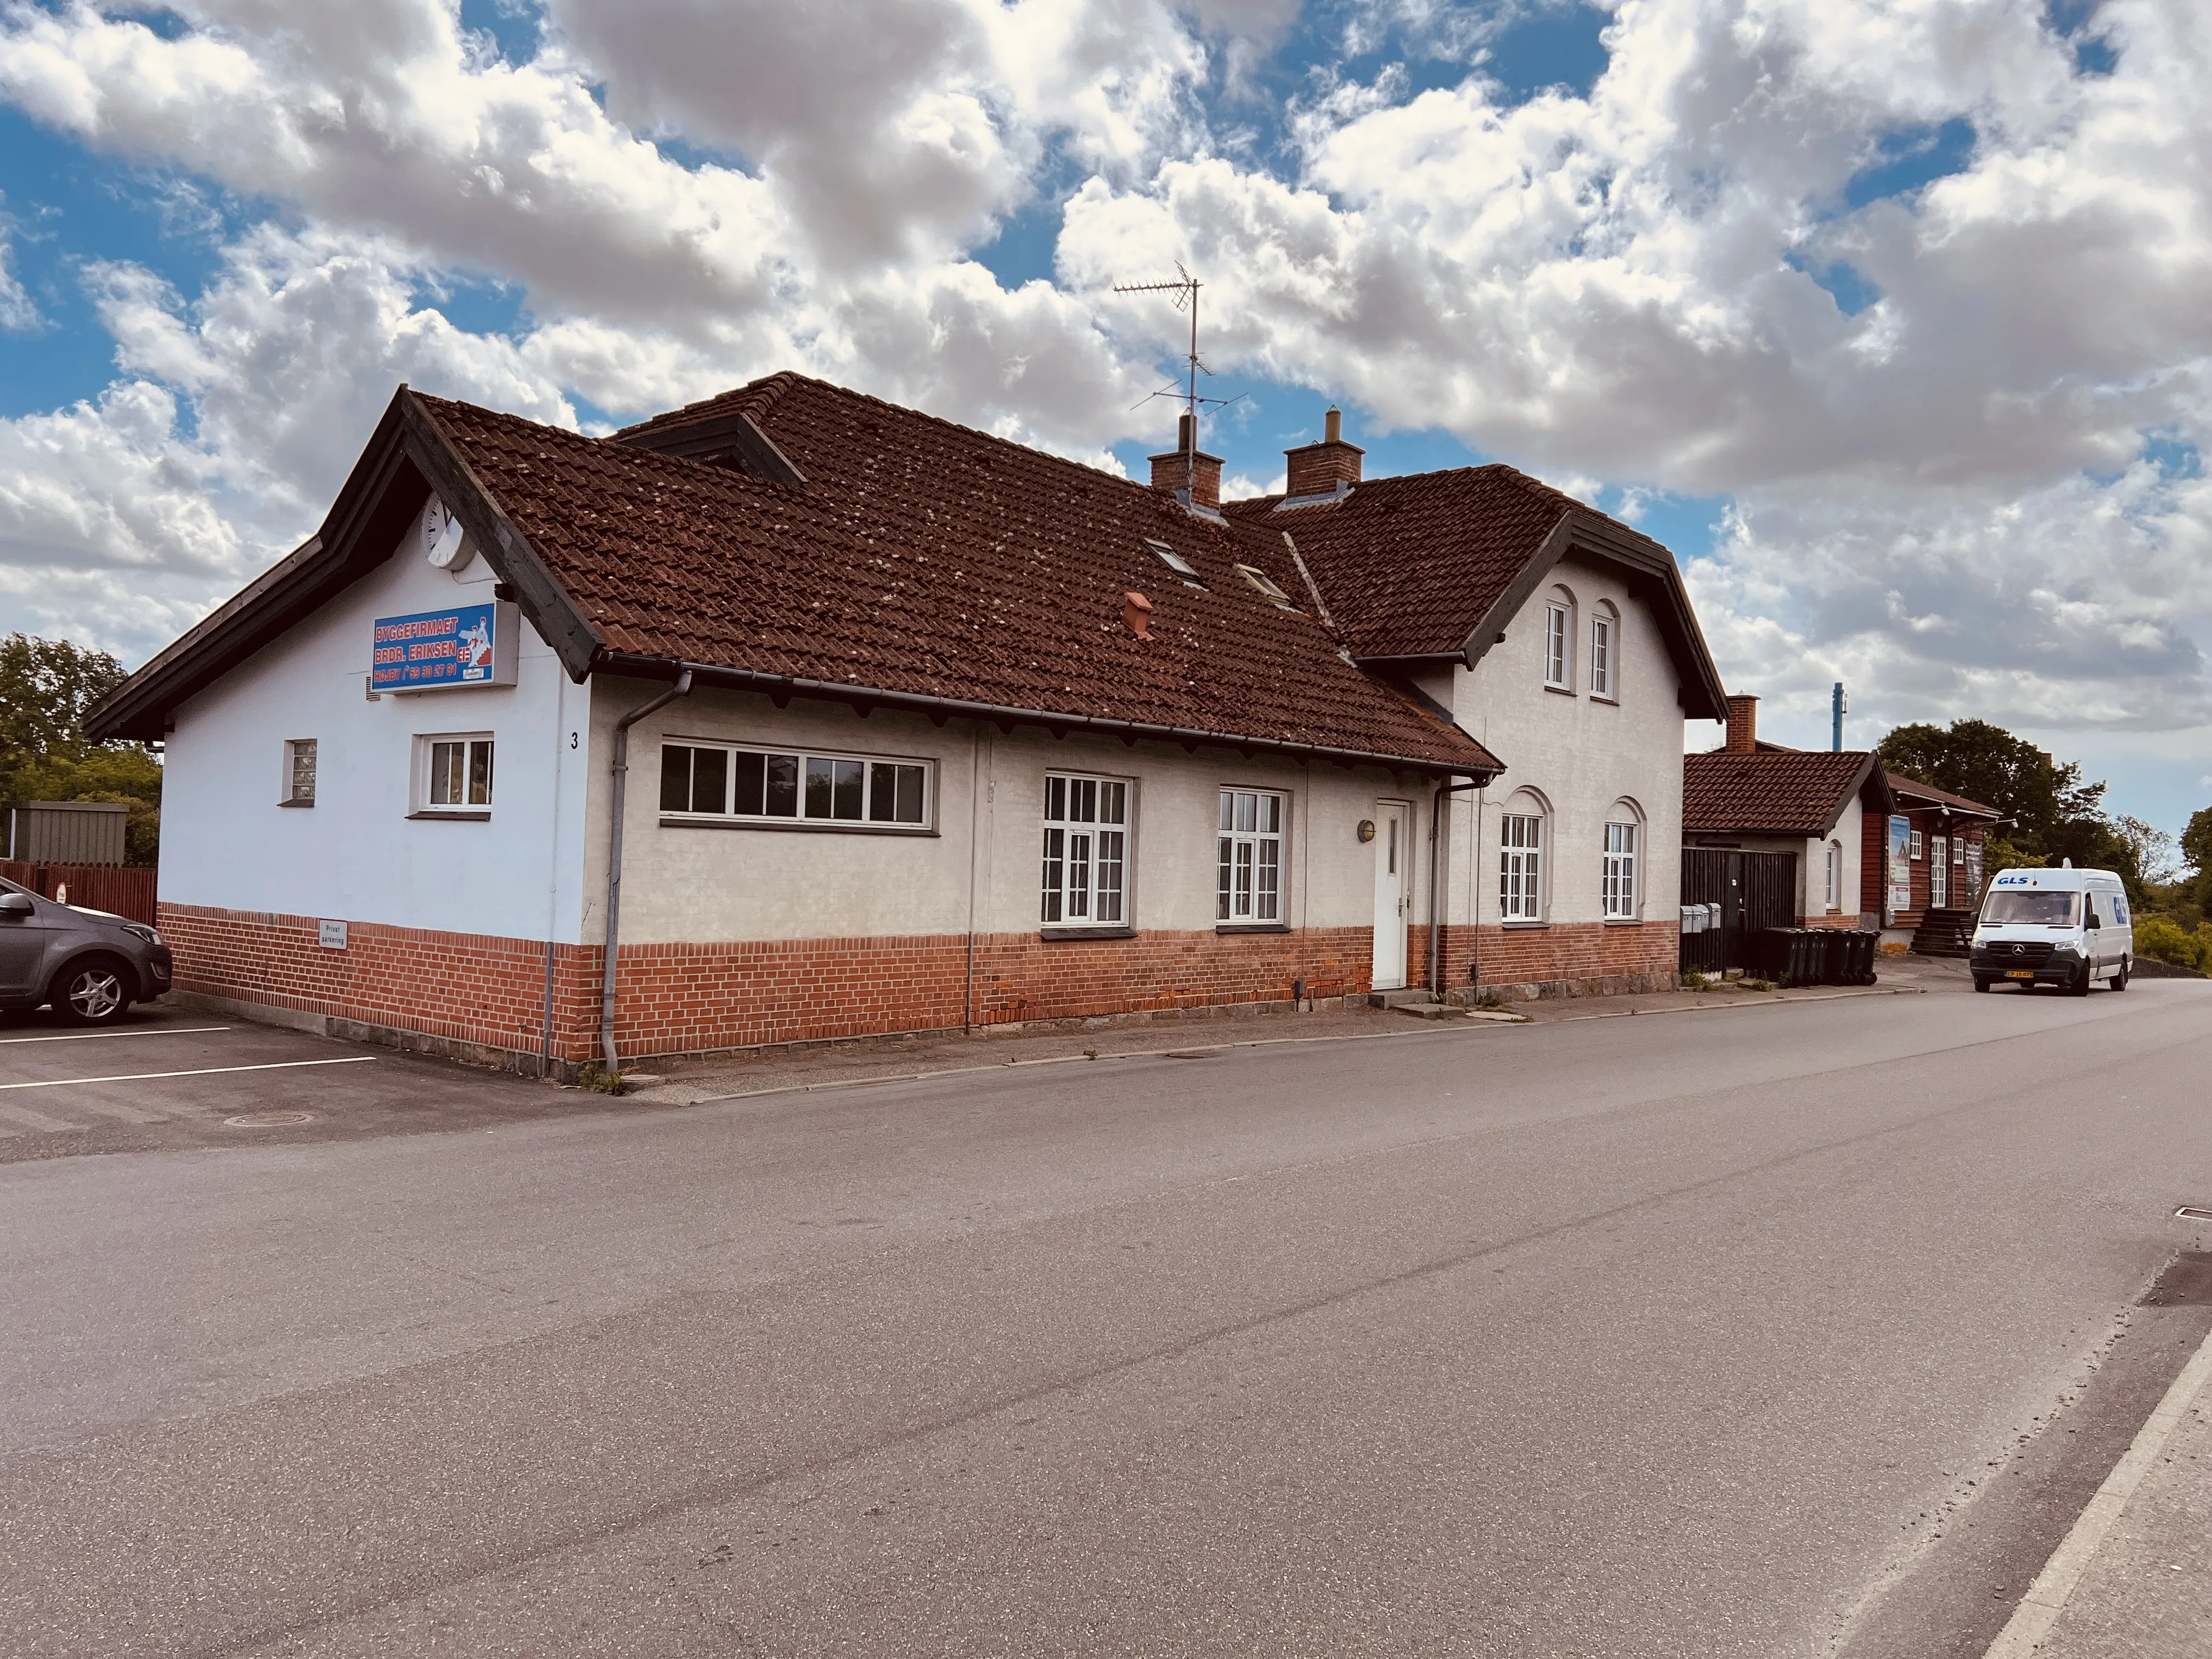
(143, 931)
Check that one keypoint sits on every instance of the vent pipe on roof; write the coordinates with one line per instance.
(1137, 614)
(1330, 467)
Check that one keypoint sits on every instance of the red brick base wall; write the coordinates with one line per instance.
(1563, 953)
(489, 992)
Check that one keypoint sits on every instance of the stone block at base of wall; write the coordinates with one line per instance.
(1550, 990)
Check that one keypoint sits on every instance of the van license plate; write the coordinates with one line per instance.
(2021, 973)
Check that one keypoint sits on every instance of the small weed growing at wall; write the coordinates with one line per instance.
(1490, 1000)
(596, 1078)
(1694, 980)
(1090, 1053)
(1758, 984)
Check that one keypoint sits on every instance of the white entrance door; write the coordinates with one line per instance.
(1393, 858)
(1939, 872)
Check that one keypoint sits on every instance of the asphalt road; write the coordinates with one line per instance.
(1748, 1332)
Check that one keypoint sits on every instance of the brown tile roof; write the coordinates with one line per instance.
(1902, 785)
(1409, 565)
(925, 559)
(1770, 792)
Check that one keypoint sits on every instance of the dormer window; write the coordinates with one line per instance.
(1261, 580)
(1175, 561)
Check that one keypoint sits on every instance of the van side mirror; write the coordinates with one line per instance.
(18, 904)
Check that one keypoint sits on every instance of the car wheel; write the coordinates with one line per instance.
(1981, 982)
(2127, 972)
(2079, 986)
(93, 991)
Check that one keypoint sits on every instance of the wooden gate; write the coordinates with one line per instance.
(1753, 890)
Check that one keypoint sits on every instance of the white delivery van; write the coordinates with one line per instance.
(2066, 927)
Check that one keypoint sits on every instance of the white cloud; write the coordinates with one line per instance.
(1945, 498)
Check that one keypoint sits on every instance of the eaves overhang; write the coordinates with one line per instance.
(1058, 722)
(407, 457)
(1652, 570)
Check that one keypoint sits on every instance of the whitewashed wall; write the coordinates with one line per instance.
(687, 882)
(356, 854)
(1580, 754)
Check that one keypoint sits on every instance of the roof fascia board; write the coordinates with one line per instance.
(503, 545)
(748, 680)
(1578, 531)
(1846, 797)
(328, 561)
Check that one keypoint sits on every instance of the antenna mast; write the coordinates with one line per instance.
(1185, 289)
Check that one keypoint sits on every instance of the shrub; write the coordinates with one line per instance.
(2167, 940)
(1693, 980)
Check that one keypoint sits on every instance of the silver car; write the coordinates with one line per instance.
(91, 966)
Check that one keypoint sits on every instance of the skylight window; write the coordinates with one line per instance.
(1175, 561)
(1261, 580)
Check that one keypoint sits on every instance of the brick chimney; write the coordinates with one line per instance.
(1322, 468)
(1188, 466)
(1742, 725)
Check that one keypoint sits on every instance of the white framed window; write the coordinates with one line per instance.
(1558, 646)
(1833, 891)
(712, 783)
(1959, 851)
(1621, 872)
(1086, 852)
(454, 774)
(1605, 636)
(299, 771)
(1919, 848)
(1249, 871)
(1521, 866)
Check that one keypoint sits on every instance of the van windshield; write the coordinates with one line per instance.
(2046, 908)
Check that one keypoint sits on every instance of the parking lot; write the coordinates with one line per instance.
(169, 1077)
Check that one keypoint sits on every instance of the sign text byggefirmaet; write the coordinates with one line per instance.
(435, 647)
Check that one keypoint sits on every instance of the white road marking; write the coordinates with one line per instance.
(148, 1077)
(87, 1036)
(2045, 1600)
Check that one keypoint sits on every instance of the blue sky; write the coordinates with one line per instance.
(1771, 281)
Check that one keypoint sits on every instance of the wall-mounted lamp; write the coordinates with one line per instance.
(1367, 829)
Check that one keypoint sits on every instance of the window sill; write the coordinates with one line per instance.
(1252, 927)
(802, 825)
(1559, 690)
(1051, 934)
(1624, 921)
(1599, 696)
(436, 814)
(1522, 927)
(295, 803)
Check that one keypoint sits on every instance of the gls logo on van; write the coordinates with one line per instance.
(2015, 881)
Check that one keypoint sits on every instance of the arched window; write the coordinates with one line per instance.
(1521, 835)
(1605, 651)
(1622, 884)
(1559, 640)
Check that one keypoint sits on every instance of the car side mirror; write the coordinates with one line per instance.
(18, 904)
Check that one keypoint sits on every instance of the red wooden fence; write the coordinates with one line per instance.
(125, 889)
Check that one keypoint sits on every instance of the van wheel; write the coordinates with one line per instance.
(2127, 972)
(1981, 982)
(94, 992)
(2080, 987)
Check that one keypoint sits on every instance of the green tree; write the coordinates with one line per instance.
(2196, 841)
(2055, 814)
(46, 688)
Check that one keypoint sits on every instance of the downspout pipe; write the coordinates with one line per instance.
(681, 689)
(1444, 793)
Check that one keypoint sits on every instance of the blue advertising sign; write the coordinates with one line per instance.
(1900, 871)
(459, 646)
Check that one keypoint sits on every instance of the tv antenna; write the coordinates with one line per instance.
(1185, 289)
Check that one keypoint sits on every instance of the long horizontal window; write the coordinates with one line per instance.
(772, 786)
